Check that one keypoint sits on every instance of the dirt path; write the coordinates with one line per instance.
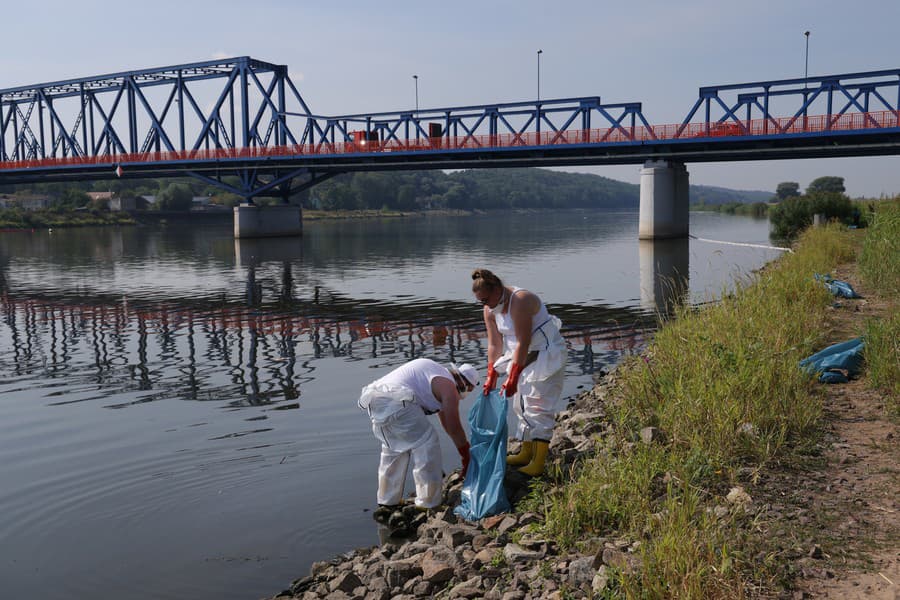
(842, 516)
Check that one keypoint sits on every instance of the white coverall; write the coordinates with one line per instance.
(539, 394)
(397, 404)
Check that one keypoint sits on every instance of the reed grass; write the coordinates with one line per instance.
(882, 353)
(879, 260)
(722, 384)
(880, 267)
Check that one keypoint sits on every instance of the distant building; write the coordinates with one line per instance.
(31, 202)
(120, 204)
(108, 196)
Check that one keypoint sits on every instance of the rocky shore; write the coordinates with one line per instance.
(499, 557)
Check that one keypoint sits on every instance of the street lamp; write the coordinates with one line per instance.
(805, 78)
(539, 52)
(806, 67)
(416, 79)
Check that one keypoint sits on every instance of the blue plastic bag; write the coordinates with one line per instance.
(830, 362)
(482, 491)
(837, 287)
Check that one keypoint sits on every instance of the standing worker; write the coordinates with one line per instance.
(398, 404)
(525, 343)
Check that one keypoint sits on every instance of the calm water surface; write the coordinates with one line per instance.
(178, 409)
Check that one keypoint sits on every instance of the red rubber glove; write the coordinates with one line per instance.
(491, 380)
(464, 455)
(511, 385)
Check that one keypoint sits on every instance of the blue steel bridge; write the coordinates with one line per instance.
(243, 120)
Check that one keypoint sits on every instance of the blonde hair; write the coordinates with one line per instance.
(482, 279)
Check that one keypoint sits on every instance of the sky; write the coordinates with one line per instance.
(351, 56)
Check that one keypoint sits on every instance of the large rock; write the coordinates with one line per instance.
(345, 582)
(515, 553)
(439, 565)
(582, 571)
(401, 571)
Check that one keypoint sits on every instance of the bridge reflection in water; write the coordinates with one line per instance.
(259, 353)
(263, 349)
(260, 356)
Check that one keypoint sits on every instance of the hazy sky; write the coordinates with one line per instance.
(355, 56)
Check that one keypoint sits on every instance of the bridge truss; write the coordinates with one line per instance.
(241, 124)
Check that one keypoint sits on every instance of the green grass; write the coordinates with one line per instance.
(879, 260)
(883, 358)
(880, 267)
(723, 385)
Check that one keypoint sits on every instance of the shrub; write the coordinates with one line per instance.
(794, 215)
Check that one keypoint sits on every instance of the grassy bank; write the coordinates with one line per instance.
(880, 267)
(722, 387)
(40, 219)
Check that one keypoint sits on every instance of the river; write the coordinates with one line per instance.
(178, 409)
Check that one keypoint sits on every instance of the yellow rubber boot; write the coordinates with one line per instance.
(523, 457)
(539, 456)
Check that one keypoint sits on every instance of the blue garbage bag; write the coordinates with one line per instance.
(831, 362)
(837, 287)
(482, 491)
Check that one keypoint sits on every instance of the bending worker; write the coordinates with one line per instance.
(398, 404)
(525, 343)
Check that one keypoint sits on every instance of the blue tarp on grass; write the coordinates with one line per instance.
(837, 287)
(837, 363)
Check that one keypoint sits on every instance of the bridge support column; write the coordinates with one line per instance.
(251, 221)
(665, 272)
(664, 200)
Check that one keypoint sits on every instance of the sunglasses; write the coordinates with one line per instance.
(486, 300)
(462, 384)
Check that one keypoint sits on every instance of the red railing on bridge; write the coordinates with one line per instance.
(755, 127)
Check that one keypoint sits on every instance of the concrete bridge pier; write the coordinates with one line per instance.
(664, 272)
(251, 221)
(664, 200)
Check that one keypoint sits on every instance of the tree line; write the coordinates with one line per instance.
(486, 189)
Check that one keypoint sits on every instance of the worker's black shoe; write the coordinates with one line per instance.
(383, 513)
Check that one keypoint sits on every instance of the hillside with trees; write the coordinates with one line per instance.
(483, 189)
(713, 195)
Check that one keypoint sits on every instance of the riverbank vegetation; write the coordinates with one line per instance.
(16, 218)
(477, 189)
(756, 209)
(715, 402)
(880, 268)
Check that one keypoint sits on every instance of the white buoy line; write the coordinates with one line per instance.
(764, 247)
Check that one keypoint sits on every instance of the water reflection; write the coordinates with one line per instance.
(261, 354)
(665, 272)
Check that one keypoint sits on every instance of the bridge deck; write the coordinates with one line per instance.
(617, 145)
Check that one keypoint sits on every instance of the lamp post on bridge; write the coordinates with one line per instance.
(539, 52)
(806, 64)
(805, 78)
(416, 79)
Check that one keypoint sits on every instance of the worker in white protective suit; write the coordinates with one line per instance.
(525, 343)
(398, 404)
